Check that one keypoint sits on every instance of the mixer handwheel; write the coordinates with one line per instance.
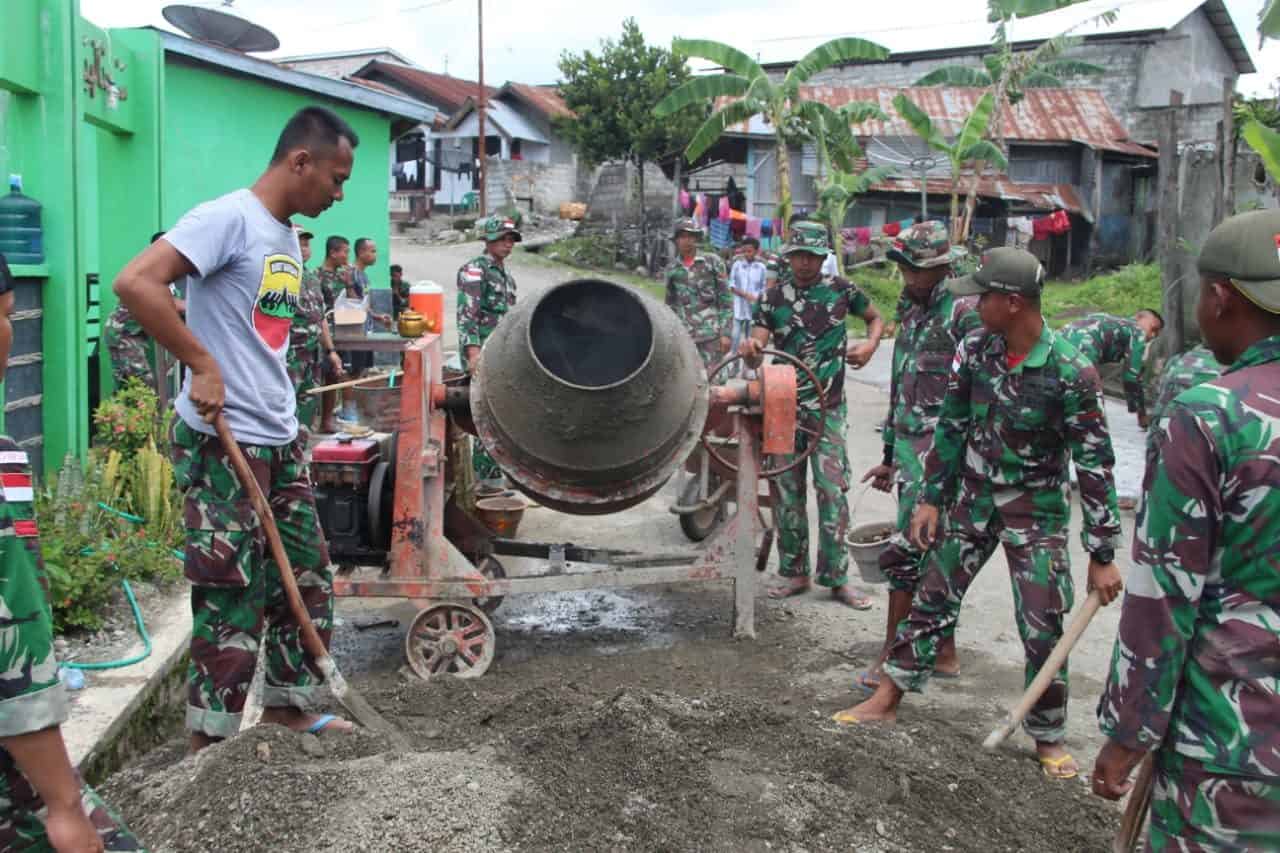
(450, 639)
(814, 432)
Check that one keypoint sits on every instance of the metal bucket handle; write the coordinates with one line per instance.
(857, 502)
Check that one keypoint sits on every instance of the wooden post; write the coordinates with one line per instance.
(1167, 223)
(1228, 149)
(480, 109)
(1096, 203)
(675, 196)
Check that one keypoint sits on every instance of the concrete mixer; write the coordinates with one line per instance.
(589, 397)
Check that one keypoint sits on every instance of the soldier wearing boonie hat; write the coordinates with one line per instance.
(1193, 675)
(932, 322)
(697, 289)
(804, 316)
(486, 292)
(1020, 403)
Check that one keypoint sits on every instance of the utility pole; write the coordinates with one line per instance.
(480, 108)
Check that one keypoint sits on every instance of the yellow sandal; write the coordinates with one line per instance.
(1056, 764)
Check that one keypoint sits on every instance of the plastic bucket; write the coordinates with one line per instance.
(427, 298)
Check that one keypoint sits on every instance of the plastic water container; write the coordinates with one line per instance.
(21, 234)
(427, 298)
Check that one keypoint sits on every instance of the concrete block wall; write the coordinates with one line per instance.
(615, 194)
(549, 184)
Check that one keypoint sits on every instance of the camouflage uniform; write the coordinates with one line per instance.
(235, 583)
(928, 335)
(133, 353)
(809, 323)
(1104, 339)
(333, 283)
(699, 294)
(31, 696)
(998, 467)
(1184, 371)
(1195, 672)
(486, 292)
(305, 360)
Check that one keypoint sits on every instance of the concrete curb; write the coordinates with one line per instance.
(121, 712)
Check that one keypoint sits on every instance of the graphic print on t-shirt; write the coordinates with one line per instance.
(277, 299)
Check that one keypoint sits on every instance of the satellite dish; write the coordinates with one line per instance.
(220, 28)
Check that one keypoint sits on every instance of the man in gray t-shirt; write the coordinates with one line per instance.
(244, 267)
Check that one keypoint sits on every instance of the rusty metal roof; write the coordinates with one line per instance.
(1044, 115)
(544, 99)
(439, 90)
(1031, 195)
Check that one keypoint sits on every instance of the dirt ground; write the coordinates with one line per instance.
(630, 720)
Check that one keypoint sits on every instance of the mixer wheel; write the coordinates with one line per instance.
(450, 639)
(493, 570)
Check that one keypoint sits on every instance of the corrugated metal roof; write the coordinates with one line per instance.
(501, 115)
(1044, 115)
(1034, 196)
(969, 34)
(544, 99)
(448, 93)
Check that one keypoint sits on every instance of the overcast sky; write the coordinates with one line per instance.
(524, 39)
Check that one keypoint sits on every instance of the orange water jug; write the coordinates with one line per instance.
(427, 298)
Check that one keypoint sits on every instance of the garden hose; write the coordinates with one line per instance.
(133, 605)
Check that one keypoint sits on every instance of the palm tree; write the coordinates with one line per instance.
(754, 93)
(1264, 140)
(969, 148)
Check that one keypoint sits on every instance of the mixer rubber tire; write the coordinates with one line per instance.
(697, 526)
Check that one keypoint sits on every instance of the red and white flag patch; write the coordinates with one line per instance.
(26, 528)
(13, 457)
(17, 488)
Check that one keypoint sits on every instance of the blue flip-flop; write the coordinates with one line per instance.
(322, 722)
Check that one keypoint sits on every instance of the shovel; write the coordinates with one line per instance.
(1045, 676)
(1135, 814)
(355, 704)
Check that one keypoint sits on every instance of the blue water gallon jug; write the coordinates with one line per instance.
(21, 234)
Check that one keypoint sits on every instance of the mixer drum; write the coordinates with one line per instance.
(589, 396)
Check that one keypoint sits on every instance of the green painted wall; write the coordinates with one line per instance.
(202, 160)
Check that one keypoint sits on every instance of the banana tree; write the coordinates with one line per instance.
(970, 148)
(752, 92)
(839, 192)
(1262, 139)
(838, 153)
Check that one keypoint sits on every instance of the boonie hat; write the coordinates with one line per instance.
(686, 226)
(1005, 270)
(1246, 249)
(808, 237)
(925, 245)
(497, 226)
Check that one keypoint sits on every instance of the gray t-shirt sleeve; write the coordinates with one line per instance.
(210, 235)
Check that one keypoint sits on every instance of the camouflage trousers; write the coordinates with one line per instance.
(482, 463)
(22, 814)
(305, 374)
(1195, 811)
(1040, 571)
(830, 466)
(901, 561)
(710, 353)
(237, 600)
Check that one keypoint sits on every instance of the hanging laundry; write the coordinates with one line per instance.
(738, 227)
(684, 200)
(904, 224)
(1059, 222)
(723, 207)
(891, 229)
(720, 235)
(862, 236)
(1041, 229)
(753, 227)
(766, 228)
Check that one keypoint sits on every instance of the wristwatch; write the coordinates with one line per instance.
(1104, 555)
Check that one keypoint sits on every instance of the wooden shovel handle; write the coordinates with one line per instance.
(351, 383)
(310, 637)
(1135, 813)
(1047, 672)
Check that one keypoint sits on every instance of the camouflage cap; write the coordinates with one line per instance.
(925, 245)
(1246, 249)
(1005, 270)
(808, 237)
(498, 226)
(686, 226)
